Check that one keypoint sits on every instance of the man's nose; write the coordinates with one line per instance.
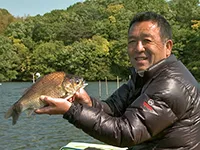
(139, 46)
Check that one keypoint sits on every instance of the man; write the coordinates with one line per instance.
(159, 108)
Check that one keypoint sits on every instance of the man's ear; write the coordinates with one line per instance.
(169, 45)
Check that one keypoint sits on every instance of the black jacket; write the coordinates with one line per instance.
(160, 110)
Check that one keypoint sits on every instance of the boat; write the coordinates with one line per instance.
(89, 146)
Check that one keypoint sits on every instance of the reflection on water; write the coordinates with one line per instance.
(40, 132)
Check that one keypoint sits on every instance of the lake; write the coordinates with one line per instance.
(41, 132)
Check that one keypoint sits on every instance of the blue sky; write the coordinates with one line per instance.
(33, 7)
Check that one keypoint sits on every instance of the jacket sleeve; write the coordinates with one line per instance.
(142, 119)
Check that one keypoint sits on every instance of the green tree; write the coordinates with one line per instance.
(186, 32)
(45, 57)
(24, 56)
(5, 19)
(9, 60)
(90, 37)
(191, 52)
(119, 59)
(20, 29)
(89, 58)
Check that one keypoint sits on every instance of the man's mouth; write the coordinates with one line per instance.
(140, 58)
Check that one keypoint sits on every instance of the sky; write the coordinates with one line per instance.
(20, 8)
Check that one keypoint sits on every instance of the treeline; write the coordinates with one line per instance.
(90, 38)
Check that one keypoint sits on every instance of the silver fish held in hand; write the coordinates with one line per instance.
(56, 84)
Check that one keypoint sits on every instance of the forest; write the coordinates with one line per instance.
(89, 39)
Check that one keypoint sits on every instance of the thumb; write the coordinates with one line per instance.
(47, 99)
(43, 110)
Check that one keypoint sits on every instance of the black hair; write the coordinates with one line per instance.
(162, 23)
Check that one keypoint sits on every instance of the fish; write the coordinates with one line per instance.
(55, 84)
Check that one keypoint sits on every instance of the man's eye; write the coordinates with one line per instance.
(131, 41)
(146, 40)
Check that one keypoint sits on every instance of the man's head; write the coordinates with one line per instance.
(149, 40)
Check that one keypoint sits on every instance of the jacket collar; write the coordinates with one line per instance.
(155, 69)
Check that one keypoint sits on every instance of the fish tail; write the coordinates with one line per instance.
(13, 112)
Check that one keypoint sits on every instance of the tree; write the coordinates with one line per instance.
(192, 51)
(9, 60)
(90, 38)
(89, 58)
(45, 57)
(5, 19)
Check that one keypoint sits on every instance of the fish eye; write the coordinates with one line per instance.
(77, 81)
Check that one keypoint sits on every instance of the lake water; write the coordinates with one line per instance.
(41, 132)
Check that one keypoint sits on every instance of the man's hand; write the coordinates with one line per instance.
(61, 105)
(54, 106)
(82, 97)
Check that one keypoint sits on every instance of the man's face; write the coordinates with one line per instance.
(145, 46)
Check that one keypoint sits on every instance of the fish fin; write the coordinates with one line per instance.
(14, 113)
(30, 112)
(8, 114)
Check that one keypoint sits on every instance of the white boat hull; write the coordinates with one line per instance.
(82, 146)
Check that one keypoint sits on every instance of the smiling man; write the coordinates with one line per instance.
(146, 45)
(158, 108)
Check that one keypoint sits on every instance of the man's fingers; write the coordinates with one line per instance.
(46, 99)
(53, 105)
(44, 110)
(71, 99)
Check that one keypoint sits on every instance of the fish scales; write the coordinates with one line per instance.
(50, 85)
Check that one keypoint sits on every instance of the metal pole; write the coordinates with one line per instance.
(117, 82)
(99, 89)
(33, 78)
(106, 86)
